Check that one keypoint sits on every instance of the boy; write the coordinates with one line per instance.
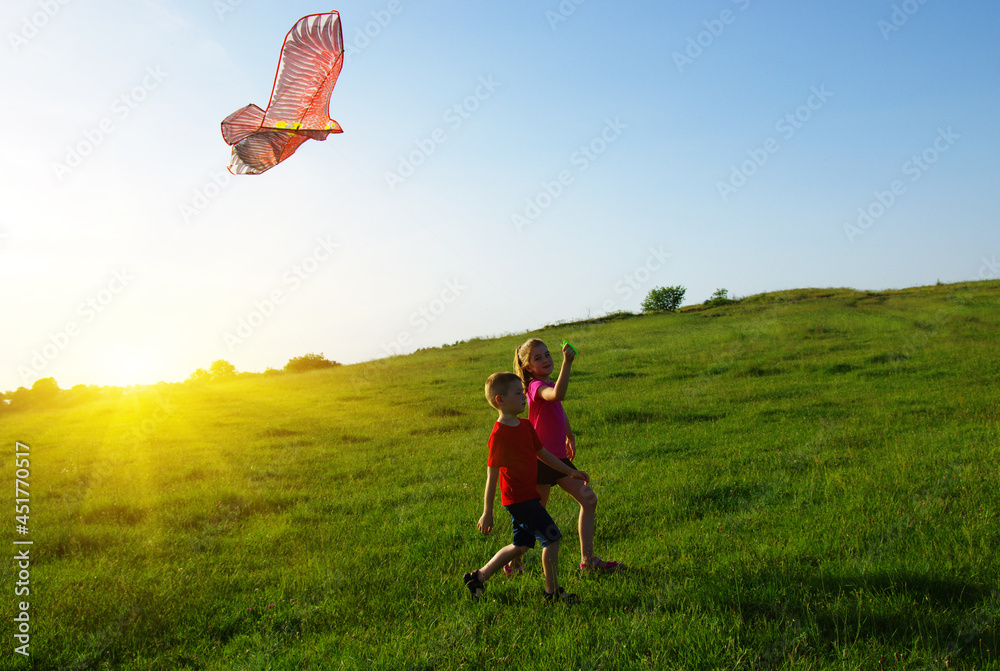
(513, 461)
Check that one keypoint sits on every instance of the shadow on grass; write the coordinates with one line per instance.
(696, 417)
(945, 618)
(725, 499)
(278, 433)
(759, 371)
(617, 416)
(629, 416)
(623, 375)
(445, 412)
(660, 451)
(841, 368)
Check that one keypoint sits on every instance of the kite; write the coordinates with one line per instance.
(299, 109)
(566, 342)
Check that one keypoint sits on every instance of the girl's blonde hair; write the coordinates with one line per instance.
(522, 356)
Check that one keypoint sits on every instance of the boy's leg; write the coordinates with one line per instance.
(587, 499)
(530, 518)
(503, 556)
(550, 564)
(516, 565)
(476, 580)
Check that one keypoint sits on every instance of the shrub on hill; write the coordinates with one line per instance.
(44, 391)
(81, 393)
(664, 299)
(218, 371)
(222, 370)
(42, 394)
(720, 297)
(306, 362)
(200, 375)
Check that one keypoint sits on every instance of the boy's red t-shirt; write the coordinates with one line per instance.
(514, 450)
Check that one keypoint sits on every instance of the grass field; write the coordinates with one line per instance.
(801, 480)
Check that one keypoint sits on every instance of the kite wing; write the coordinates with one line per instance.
(299, 109)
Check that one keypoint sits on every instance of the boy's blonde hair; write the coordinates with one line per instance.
(522, 356)
(499, 384)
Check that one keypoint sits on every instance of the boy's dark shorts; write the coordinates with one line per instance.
(531, 522)
(548, 475)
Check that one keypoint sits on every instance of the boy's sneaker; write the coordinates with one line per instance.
(476, 587)
(561, 595)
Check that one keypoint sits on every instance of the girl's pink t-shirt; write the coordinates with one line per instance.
(548, 418)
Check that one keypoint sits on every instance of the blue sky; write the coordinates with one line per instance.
(503, 166)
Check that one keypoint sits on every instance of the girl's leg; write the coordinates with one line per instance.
(544, 490)
(587, 499)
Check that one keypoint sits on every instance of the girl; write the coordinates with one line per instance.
(533, 364)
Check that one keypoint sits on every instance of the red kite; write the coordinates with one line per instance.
(299, 110)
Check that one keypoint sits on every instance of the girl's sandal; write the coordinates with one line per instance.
(600, 565)
(561, 595)
(511, 572)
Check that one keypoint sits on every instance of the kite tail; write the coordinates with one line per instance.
(242, 123)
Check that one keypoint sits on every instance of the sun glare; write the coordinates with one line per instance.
(130, 365)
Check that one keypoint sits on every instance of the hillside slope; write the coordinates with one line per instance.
(804, 479)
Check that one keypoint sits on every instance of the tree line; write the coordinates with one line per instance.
(45, 392)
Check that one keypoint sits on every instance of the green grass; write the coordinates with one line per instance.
(800, 480)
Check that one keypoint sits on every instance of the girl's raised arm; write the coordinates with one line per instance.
(558, 392)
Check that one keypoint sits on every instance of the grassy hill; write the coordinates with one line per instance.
(804, 479)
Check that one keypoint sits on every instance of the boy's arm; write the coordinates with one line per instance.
(558, 392)
(486, 521)
(556, 463)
